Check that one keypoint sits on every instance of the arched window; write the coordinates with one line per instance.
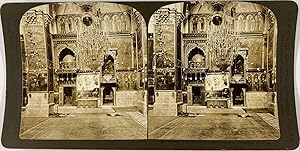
(114, 24)
(260, 21)
(106, 23)
(201, 24)
(62, 26)
(194, 25)
(240, 23)
(126, 22)
(122, 23)
(252, 24)
(67, 59)
(196, 58)
(247, 26)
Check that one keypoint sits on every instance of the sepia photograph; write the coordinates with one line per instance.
(205, 70)
(213, 72)
(84, 72)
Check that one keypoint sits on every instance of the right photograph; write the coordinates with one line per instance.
(212, 72)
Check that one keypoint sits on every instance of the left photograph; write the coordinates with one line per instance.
(84, 72)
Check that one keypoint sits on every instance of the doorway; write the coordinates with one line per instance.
(69, 98)
(238, 96)
(198, 96)
(108, 96)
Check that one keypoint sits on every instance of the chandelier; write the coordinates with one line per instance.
(223, 40)
(93, 43)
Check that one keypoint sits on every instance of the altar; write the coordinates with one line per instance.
(87, 103)
(218, 102)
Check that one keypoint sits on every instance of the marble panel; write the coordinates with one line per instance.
(165, 96)
(167, 109)
(142, 106)
(38, 105)
(166, 103)
(258, 99)
(38, 98)
(129, 98)
(37, 110)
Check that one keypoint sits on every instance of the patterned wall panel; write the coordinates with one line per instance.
(37, 61)
(124, 47)
(255, 46)
(38, 82)
(164, 39)
(34, 37)
(127, 80)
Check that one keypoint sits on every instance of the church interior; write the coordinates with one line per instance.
(84, 55)
(207, 54)
(210, 54)
(139, 80)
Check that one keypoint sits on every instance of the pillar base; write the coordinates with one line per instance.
(38, 105)
(167, 103)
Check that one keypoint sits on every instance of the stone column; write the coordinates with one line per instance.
(189, 95)
(244, 96)
(40, 99)
(61, 95)
(101, 96)
(230, 105)
(114, 91)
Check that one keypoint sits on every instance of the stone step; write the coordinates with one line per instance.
(204, 109)
(74, 109)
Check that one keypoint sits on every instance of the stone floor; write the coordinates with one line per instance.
(212, 125)
(85, 126)
(270, 119)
